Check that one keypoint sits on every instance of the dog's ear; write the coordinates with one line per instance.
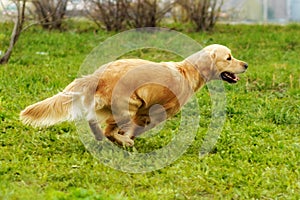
(213, 54)
(205, 64)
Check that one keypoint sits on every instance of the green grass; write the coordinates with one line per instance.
(256, 157)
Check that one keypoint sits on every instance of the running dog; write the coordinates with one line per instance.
(130, 96)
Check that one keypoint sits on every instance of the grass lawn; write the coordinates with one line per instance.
(256, 157)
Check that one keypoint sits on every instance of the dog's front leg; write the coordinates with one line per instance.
(112, 133)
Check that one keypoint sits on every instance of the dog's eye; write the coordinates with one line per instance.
(229, 58)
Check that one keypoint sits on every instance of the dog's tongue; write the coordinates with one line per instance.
(237, 78)
(229, 77)
(234, 77)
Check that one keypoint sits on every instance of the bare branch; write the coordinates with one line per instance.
(110, 14)
(18, 26)
(50, 13)
(203, 13)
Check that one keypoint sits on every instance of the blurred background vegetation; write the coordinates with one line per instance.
(118, 15)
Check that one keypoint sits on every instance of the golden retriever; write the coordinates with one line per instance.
(131, 96)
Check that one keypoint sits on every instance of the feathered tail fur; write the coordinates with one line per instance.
(74, 102)
(49, 111)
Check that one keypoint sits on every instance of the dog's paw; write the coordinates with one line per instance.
(128, 142)
(124, 140)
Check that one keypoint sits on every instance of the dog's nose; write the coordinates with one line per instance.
(246, 66)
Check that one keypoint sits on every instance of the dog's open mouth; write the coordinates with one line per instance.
(229, 77)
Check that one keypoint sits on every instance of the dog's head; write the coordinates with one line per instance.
(224, 65)
(216, 62)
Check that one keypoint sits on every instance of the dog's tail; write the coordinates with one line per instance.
(71, 104)
(49, 111)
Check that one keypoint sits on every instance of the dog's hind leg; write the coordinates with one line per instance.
(94, 114)
(96, 130)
